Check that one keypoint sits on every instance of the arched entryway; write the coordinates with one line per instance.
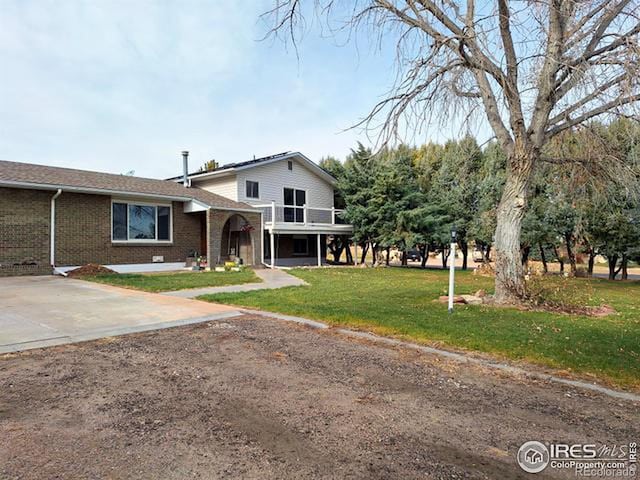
(236, 244)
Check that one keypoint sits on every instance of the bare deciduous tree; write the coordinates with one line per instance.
(532, 69)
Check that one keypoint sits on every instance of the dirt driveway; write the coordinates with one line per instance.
(251, 397)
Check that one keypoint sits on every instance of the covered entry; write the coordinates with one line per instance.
(236, 243)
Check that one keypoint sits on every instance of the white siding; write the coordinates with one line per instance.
(274, 177)
(225, 186)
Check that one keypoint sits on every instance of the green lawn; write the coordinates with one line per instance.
(400, 302)
(162, 282)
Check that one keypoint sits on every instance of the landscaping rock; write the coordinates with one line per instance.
(462, 299)
(456, 299)
(472, 299)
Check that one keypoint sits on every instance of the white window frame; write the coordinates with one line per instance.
(301, 207)
(149, 241)
(246, 180)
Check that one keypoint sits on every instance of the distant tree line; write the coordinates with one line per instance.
(411, 197)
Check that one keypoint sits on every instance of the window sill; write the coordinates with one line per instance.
(141, 244)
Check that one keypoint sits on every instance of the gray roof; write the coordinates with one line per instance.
(228, 166)
(251, 162)
(231, 167)
(16, 174)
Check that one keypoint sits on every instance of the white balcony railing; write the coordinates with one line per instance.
(304, 215)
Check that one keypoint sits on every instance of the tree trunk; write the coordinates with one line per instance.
(525, 255)
(624, 267)
(613, 261)
(487, 254)
(545, 267)
(338, 247)
(348, 248)
(592, 261)
(365, 247)
(465, 253)
(424, 251)
(405, 260)
(510, 284)
(374, 254)
(444, 258)
(559, 258)
(570, 253)
(388, 255)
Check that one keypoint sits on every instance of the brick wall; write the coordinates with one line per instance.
(83, 234)
(24, 232)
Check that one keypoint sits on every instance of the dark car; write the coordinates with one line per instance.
(414, 256)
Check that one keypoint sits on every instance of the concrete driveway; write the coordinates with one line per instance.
(43, 311)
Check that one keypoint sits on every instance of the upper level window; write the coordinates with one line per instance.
(138, 222)
(294, 201)
(253, 189)
(290, 165)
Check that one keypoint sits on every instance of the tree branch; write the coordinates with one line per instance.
(564, 115)
(604, 108)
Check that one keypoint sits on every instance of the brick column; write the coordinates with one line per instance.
(215, 223)
(256, 238)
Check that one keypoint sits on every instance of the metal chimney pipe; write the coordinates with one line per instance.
(185, 168)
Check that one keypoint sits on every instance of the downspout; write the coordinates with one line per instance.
(261, 237)
(52, 234)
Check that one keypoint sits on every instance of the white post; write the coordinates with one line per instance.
(333, 215)
(452, 269)
(261, 236)
(273, 214)
(319, 253)
(304, 213)
(273, 249)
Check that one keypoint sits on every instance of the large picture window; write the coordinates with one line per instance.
(140, 222)
(294, 201)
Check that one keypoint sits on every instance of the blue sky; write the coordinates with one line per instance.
(126, 85)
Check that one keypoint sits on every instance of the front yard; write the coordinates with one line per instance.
(162, 282)
(253, 397)
(403, 302)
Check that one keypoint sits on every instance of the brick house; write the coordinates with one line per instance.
(59, 218)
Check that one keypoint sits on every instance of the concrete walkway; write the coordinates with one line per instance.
(270, 279)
